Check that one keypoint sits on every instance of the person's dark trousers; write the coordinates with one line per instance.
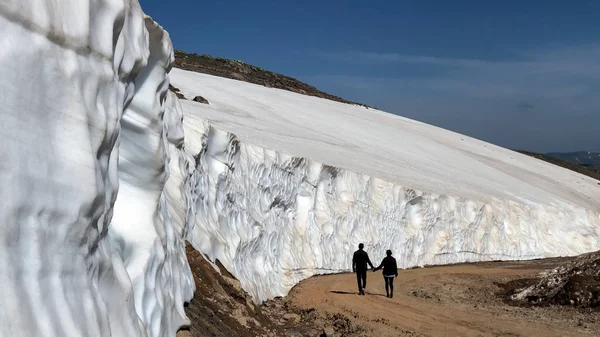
(361, 279)
(389, 286)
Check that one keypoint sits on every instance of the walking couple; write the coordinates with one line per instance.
(359, 266)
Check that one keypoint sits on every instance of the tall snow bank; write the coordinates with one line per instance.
(273, 219)
(361, 175)
(87, 125)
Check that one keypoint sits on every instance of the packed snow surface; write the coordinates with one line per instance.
(287, 185)
(91, 223)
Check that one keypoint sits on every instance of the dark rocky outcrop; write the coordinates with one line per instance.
(200, 99)
(239, 70)
(176, 91)
(576, 283)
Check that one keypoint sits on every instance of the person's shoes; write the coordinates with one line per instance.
(391, 295)
(387, 295)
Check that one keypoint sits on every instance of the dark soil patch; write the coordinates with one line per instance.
(580, 290)
(511, 287)
(312, 322)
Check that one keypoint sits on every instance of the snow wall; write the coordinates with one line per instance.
(273, 219)
(91, 221)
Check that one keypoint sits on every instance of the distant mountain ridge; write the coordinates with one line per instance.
(588, 170)
(584, 158)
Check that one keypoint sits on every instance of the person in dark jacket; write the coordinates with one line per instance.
(390, 271)
(360, 259)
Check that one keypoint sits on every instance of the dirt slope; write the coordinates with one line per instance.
(220, 308)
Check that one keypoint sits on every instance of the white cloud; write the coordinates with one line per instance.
(574, 60)
(358, 56)
(554, 73)
(476, 96)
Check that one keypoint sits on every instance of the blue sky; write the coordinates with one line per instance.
(520, 74)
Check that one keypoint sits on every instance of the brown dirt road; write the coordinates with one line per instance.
(457, 300)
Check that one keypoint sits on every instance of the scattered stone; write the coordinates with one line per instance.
(176, 91)
(184, 333)
(200, 99)
(327, 332)
(292, 318)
